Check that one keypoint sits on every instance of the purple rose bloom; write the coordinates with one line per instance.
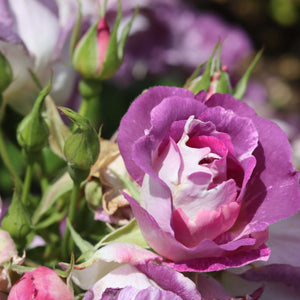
(213, 177)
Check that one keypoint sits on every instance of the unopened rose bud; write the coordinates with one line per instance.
(6, 74)
(99, 54)
(93, 194)
(82, 147)
(42, 283)
(33, 132)
(17, 222)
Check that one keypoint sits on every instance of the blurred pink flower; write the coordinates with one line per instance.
(41, 284)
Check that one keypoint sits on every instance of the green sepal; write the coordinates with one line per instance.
(223, 84)
(33, 132)
(85, 54)
(6, 73)
(67, 273)
(17, 221)
(189, 82)
(241, 87)
(129, 233)
(76, 30)
(115, 49)
(203, 82)
(82, 122)
(124, 35)
(21, 269)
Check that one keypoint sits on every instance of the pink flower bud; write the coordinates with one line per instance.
(103, 36)
(99, 53)
(41, 284)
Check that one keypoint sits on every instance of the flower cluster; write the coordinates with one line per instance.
(193, 196)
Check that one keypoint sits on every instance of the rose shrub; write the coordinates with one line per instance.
(213, 177)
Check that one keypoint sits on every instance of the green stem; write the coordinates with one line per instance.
(43, 170)
(7, 162)
(67, 244)
(90, 91)
(2, 108)
(27, 183)
(83, 110)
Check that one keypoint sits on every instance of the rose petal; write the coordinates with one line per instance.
(137, 119)
(166, 245)
(30, 28)
(274, 179)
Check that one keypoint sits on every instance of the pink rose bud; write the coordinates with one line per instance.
(99, 53)
(41, 284)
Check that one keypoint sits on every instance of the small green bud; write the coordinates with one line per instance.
(33, 132)
(6, 74)
(82, 147)
(93, 194)
(99, 53)
(17, 221)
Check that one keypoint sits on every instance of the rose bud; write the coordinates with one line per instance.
(99, 54)
(41, 284)
(82, 147)
(6, 74)
(17, 221)
(33, 132)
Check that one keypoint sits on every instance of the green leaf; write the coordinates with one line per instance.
(83, 245)
(241, 86)
(53, 218)
(53, 193)
(21, 269)
(129, 233)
